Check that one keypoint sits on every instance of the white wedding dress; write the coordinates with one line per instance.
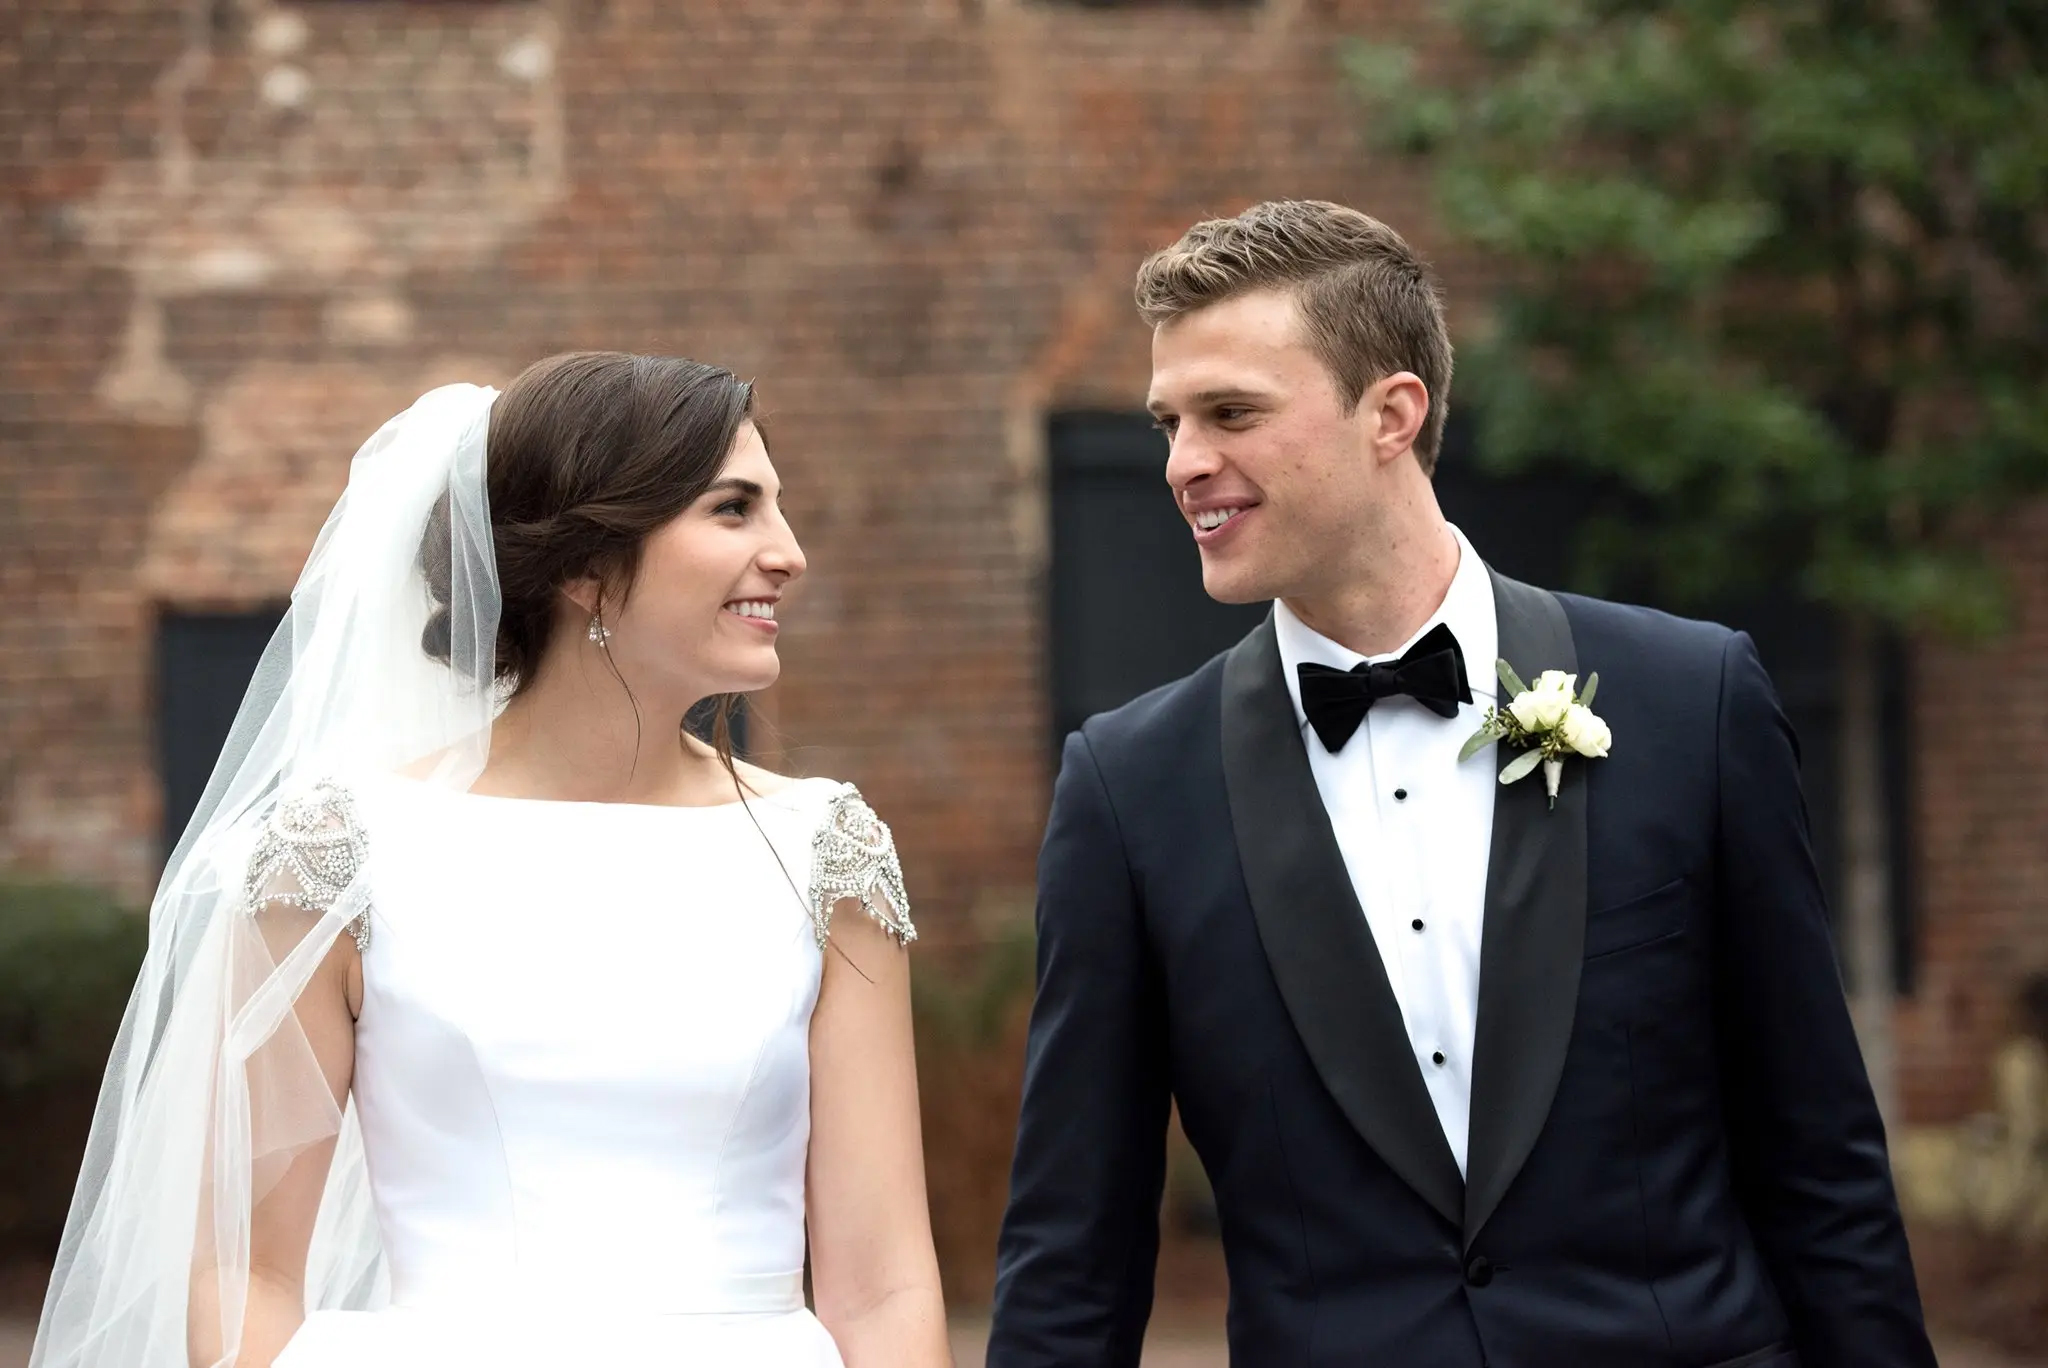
(586, 1128)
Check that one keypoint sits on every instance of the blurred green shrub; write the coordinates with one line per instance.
(68, 959)
(967, 1002)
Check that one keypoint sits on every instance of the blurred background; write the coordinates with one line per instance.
(1752, 318)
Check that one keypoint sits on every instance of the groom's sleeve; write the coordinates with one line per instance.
(1806, 1141)
(1081, 1236)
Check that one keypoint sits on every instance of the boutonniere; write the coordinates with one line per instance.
(1550, 721)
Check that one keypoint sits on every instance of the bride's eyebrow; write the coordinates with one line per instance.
(745, 488)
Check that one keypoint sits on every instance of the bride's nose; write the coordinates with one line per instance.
(783, 557)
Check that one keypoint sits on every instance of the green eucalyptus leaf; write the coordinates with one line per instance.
(1592, 687)
(1476, 743)
(1521, 765)
(1508, 677)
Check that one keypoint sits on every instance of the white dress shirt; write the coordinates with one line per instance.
(1416, 829)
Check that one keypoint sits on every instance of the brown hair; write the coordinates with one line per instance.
(1371, 305)
(588, 454)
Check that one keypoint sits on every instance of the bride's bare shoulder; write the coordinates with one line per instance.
(762, 783)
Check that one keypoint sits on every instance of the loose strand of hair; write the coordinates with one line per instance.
(721, 732)
(632, 700)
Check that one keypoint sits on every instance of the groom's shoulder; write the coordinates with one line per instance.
(1603, 630)
(1169, 716)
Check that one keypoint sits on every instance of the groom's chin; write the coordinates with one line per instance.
(1232, 583)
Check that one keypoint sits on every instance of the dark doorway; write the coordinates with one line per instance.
(203, 665)
(1128, 611)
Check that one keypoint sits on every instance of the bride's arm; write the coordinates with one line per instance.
(282, 1216)
(874, 1275)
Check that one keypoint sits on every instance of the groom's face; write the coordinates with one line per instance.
(1270, 468)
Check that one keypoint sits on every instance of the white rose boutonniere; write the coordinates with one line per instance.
(1549, 722)
(1543, 707)
(1584, 732)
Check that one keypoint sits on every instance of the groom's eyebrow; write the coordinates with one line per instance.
(1209, 398)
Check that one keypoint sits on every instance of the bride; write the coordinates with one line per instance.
(489, 1016)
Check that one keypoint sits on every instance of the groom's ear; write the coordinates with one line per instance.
(1396, 406)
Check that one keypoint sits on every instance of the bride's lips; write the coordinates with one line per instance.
(757, 613)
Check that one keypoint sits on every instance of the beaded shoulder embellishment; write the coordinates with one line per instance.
(853, 856)
(310, 850)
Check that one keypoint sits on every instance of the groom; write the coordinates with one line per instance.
(1481, 1081)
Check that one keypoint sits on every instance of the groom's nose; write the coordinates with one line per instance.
(1190, 459)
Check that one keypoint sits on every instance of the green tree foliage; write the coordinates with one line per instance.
(1774, 269)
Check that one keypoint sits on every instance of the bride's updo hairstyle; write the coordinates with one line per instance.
(588, 454)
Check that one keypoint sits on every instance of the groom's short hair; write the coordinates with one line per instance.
(1371, 305)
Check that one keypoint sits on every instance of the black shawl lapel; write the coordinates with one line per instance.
(1315, 936)
(1533, 942)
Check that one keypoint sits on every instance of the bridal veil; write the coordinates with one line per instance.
(213, 1090)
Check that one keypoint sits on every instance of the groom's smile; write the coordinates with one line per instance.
(1212, 525)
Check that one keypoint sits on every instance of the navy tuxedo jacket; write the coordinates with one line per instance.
(1675, 1160)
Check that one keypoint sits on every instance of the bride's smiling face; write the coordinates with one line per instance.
(700, 617)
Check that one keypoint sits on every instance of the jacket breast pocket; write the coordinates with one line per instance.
(1643, 920)
(1777, 1356)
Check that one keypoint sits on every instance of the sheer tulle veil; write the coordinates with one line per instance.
(213, 1090)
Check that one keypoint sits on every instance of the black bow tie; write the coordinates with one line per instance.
(1432, 672)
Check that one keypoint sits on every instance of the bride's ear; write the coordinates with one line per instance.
(585, 593)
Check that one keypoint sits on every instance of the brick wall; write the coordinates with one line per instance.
(237, 235)
(234, 237)
(1981, 808)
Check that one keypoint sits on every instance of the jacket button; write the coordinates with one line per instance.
(1480, 1271)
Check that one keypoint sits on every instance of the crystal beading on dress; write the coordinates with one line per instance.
(853, 856)
(308, 853)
